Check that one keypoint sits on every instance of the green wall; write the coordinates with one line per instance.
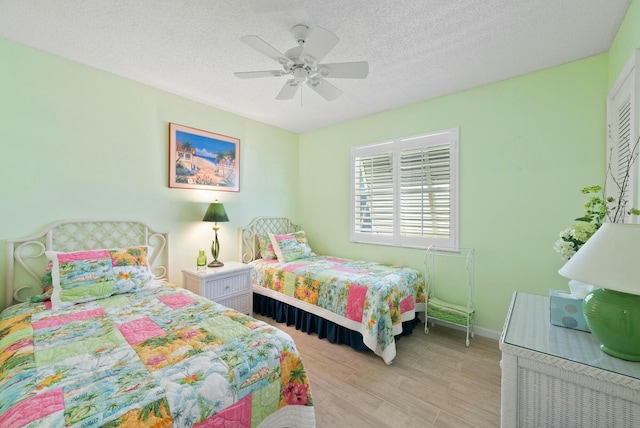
(627, 40)
(81, 143)
(527, 147)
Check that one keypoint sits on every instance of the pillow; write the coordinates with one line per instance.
(131, 268)
(46, 282)
(83, 276)
(292, 246)
(80, 276)
(266, 247)
(45, 296)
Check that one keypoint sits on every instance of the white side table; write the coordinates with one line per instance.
(229, 285)
(557, 377)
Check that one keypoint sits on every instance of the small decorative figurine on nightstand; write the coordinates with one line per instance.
(202, 260)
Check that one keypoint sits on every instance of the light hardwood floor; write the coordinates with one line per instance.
(434, 381)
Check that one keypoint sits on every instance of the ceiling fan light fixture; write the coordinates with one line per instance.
(324, 71)
(288, 90)
(308, 60)
(300, 74)
(303, 63)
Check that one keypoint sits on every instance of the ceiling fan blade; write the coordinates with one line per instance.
(260, 45)
(288, 90)
(324, 88)
(254, 74)
(319, 42)
(345, 70)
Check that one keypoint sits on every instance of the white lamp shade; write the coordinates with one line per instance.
(609, 259)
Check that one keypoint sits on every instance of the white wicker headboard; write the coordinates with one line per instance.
(26, 261)
(249, 245)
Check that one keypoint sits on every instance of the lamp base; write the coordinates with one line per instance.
(614, 319)
(215, 263)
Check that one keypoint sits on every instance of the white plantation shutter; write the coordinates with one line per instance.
(621, 145)
(621, 138)
(373, 193)
(425, 192)
(405, 192)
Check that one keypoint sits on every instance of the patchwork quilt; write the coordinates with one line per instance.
(368, 297)
(161, 357)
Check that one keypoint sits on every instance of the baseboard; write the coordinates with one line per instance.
(478, 331)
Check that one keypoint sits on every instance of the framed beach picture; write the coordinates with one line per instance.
(203, 160)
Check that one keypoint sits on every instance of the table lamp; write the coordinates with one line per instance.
(215, 213)
(610, 260)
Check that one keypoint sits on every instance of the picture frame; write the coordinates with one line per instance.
(203, 160)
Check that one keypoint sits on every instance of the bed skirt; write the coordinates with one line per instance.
(311, 323)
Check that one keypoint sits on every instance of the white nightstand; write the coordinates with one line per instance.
(229, 285)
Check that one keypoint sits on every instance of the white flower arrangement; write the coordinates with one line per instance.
(598, 208)
(573, 237)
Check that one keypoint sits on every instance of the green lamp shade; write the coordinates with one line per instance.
(216, 213)
(610, 259)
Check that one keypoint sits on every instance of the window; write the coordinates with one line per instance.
(405, 192)
(622, 136)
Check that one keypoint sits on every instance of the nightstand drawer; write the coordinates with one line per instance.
(215, 289)
(229, 285)
(240, 302)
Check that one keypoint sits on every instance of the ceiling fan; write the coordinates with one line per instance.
(302, 63)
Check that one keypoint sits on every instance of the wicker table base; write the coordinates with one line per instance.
(558, 377)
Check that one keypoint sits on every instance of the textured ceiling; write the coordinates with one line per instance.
(416, 49)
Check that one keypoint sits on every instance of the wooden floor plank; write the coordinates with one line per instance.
(435, 381)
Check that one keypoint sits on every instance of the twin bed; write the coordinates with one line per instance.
(101, 339)
(363, 304)
(107, 342)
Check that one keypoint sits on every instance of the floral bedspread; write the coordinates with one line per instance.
(161, 357)
(368, 297)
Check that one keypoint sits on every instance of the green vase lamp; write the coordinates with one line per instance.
(610, 260)
(215, 213)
